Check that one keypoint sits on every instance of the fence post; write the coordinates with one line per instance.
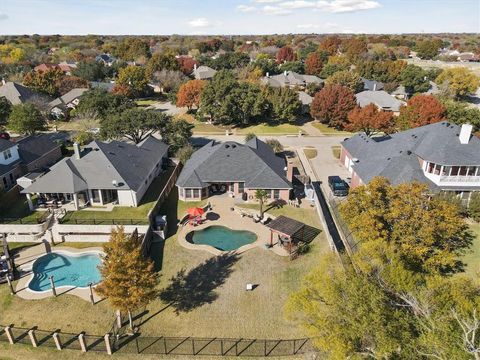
(193, 346)
(119, 318)
(33, 338)
(165, 345)
(12, 291)
(108, 346)
(264, 347)
(52, 284)
(8, 331)
(81, 340)
(57, 341)
(92, 299)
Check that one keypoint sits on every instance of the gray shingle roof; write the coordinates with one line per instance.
(100, 164)
(372, 85)
(380, 98)
(5, 144)
(396, 157)
(33, 147)
(203, 72)
(253, 163)
(290, 78)
(16, 93)
(67, 98)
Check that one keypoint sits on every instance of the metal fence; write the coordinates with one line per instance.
(105, 221)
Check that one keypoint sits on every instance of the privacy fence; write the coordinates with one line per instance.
(162, 345)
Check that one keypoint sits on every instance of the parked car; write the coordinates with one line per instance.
(338, 186)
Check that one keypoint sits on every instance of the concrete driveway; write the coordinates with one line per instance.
(168, 108)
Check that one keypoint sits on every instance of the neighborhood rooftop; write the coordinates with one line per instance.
(380, 98)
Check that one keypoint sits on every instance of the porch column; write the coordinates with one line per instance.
(75, 201)
(100, 195)
(30, 203)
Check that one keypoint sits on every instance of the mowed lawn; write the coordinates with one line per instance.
(327, 130)
(472, 258)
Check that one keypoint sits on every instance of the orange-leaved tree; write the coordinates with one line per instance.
(421, 110)
(313, 64)
(285, 54)
(370, 120)
(332, 104)
(189, 94)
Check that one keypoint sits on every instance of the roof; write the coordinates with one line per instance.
(33, 147)
(380, 98)
(203, 72)
(6, 144)
(68, 97)
(288, 78)
(253, 163)
(293, 228)
(16, 93)
(100, 165)
(372, 85)
(396, 156)
(304, 98)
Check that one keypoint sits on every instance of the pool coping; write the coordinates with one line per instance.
(23, 291)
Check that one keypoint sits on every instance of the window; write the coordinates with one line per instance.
(276, 194)
(12, 180)
(455, 170)
(463, 170)
(437, 169)
(5, 183)
(446, 170)
(196, 193)
(430, 167)
(204, 192)
(241, 187)
(188, 193)
(7, 154)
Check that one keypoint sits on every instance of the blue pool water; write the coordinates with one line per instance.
(67, 270)
(222, 238)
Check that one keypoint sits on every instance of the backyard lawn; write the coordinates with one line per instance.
(20, 211)
(327, 130)
(472, 259)
(268, 129)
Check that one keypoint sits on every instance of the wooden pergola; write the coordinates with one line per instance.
(291, 232)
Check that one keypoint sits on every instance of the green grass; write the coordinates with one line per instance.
(139, 214)
(336, 150)
(146, 102)
(268, 129)
(201, 127)
(20, 210)
(310, 153)
(327, 130)
(472, 259)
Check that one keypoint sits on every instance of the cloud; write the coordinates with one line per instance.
(3, 16)
(199, 23)
(297, 4)
(338, 6)
(275, 10)
(246, 8)
(266, 1)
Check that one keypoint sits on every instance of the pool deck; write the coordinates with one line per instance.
(24, 262)
(222, 215)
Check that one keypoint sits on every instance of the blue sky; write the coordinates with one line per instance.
(237, 16)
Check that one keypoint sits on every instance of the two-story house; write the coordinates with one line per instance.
(445, 156)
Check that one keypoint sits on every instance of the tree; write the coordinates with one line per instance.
(177, 134)
(90, 70)
(132, 48)
(214, 95)
(83, 138)
(285, 104)
(285, 54)
(313, 64)
(461, 81)
(135, 124)
(249, 136)
(185, 153)
(186, 64)
(330, 69)
(169, 80)
(332, 104)
(330, 44)
(461, 113)
(354, 48)
(294, 66)
(161, 61)
(97, 103)
(67, 83)
(420, 110)
(135, 78)
(474, 206)
(26, 119)
(5, 109)
(128, 279)
(370, 120)
(276, 146)
(190, 93)
(229, 60)
(428, 49)
(414, 78)
(44, 81)
(262, 196)
(346, 78)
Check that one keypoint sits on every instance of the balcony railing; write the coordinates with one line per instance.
(459, 179)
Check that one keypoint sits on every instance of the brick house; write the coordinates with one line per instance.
(236, 169)
(444, 156)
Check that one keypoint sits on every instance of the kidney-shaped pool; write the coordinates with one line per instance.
(221, 237)
(67, 269)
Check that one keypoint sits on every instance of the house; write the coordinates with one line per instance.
(30, 154)
(203, 72)
(236, 169)
(291, 79)
(105, 59)
(60, 107)
(67, 67)
(444, 156)
(306, 101)
(401, 93)
(372, 85)
(381, 99)
(103, 172)
(17, 93)
(45, 66)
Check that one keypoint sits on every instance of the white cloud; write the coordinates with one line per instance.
(266, 1)
(308, 26)
(337, 6)
(3, 16)
(199, 23)
(275, 10)
(246, 8)
(297, 4)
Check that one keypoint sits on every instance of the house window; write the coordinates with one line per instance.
(437, 169)
(430, 167)
(7, 154)
(241, 187)
(204, 192)
(276, 194)
(182, 192)
(188, 193)
(446, 170)
(455, 170)
(12, 180)
(463, 170)
(5, 183)
(471, 170)
(196, 193)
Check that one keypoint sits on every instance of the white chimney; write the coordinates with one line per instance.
(465, 133)
(3, 81)
(374, 86)
(76, 151)
(194, 66)
(268, 74)
(285, 73)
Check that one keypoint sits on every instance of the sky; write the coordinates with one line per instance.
(242, 17)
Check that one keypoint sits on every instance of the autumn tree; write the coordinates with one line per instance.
(68, 83)
(169, 80)
(132, 48)
(189, 94)
(276, 145)
(421, 110)
(285, 54)
(186, 64)
(346, 78)
(428, 49)
(185, 153)
(332, 104)
(370, 120)
(330, 44)
(128, 278)
(5, 109)
(44, 81)
(161, 61)
(135, 78)
(26, 119)
(354, 48)
(460, 80)
(313, 64)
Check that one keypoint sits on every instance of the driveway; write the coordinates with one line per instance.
(168, 108)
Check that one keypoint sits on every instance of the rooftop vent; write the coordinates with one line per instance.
(234, 146)
(227, 146)
(409, 152)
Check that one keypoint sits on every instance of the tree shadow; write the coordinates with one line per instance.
(188, 291)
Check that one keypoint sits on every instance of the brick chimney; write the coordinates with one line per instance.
(290, 169)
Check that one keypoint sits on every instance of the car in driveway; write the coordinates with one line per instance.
(338, 186)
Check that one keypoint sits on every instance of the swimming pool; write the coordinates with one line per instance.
(68, 269)
(221, 237)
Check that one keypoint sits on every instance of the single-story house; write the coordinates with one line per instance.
(381, 99)
(372, 85)
(203, 72)
(67, 67)
(445, 156)
(60, 107)
(27, 155)
(105, 59)
(291, 79)
(104, 172)
(236, 169)
(306, 101)
(17, 93)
